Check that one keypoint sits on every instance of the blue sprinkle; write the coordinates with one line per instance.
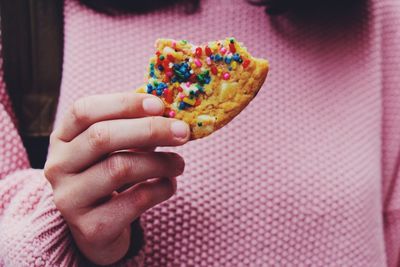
(159, 92)
(236, 57)
(228, 60)
(174, 79)
(212, 57)
(207, 80)
(182, 105)
(218, 57)
(161, 68)
(187, 75)
(230, 68)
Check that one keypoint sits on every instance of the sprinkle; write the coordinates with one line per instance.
(246, 63)
(218, 57)
(232, 40)
(182, 105)
(174, 44)
(149, 88)
(232, 47)
(229, 68)
(208, 60)
(198, 51)
(223, 50)
(171, 114)
(200, 124)
(198, 102)
(169, 73)
(170, 57)
(234, 65)
(189, 101)
(197, 62)
(158, 53)
(214, 70)
(228, 60)
(208, 51)
(160, 67)
(181, 96)
(180, 89)
(162, 57)
(226, 76)
(236, 57)
(192, 77)
(183, 41)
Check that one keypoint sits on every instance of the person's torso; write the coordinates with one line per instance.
(295, 179)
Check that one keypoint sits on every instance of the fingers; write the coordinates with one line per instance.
(111, 218)
(119, 170)
(106, 137)
(88, 110)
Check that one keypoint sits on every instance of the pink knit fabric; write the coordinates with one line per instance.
(307, 175)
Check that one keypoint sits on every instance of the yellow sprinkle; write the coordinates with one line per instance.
(234, 65)
(219, 70)
(189, 101)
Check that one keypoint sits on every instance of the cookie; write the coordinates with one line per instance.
(205, 86)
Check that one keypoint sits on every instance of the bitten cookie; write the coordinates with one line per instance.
(205, 86)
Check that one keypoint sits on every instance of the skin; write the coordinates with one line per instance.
(104, 171)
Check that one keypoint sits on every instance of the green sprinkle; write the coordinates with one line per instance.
(162, 57)
(183, 41)
(200, 124)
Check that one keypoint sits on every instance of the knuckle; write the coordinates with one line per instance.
(142, 199)
(52, 170)
(99, 135)
(79, 110)
(152, 129)
(117, 167)
(92, 231)
(61, 200)
(124, 102)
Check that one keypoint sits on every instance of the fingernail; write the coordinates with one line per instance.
(153, 106)
(179, 129)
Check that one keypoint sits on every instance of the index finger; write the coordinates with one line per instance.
(89, 110)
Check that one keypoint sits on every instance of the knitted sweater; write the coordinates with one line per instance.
(307, 175)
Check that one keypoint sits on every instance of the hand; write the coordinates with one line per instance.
(100, 190)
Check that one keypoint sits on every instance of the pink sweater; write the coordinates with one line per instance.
(307, 175)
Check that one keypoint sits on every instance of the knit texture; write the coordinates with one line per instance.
(307, 175)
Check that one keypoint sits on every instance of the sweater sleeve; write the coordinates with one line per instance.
(391, 130)
(32, 231)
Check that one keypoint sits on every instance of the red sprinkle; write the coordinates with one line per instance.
(168, 96)
(232, 48)
(198, 51)
(198, 102)
(158, 53)
(214, 70)
(226, 76)
(180, 89)
(170, 57)
(208, 51)
(246, 63)
(193, 78)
